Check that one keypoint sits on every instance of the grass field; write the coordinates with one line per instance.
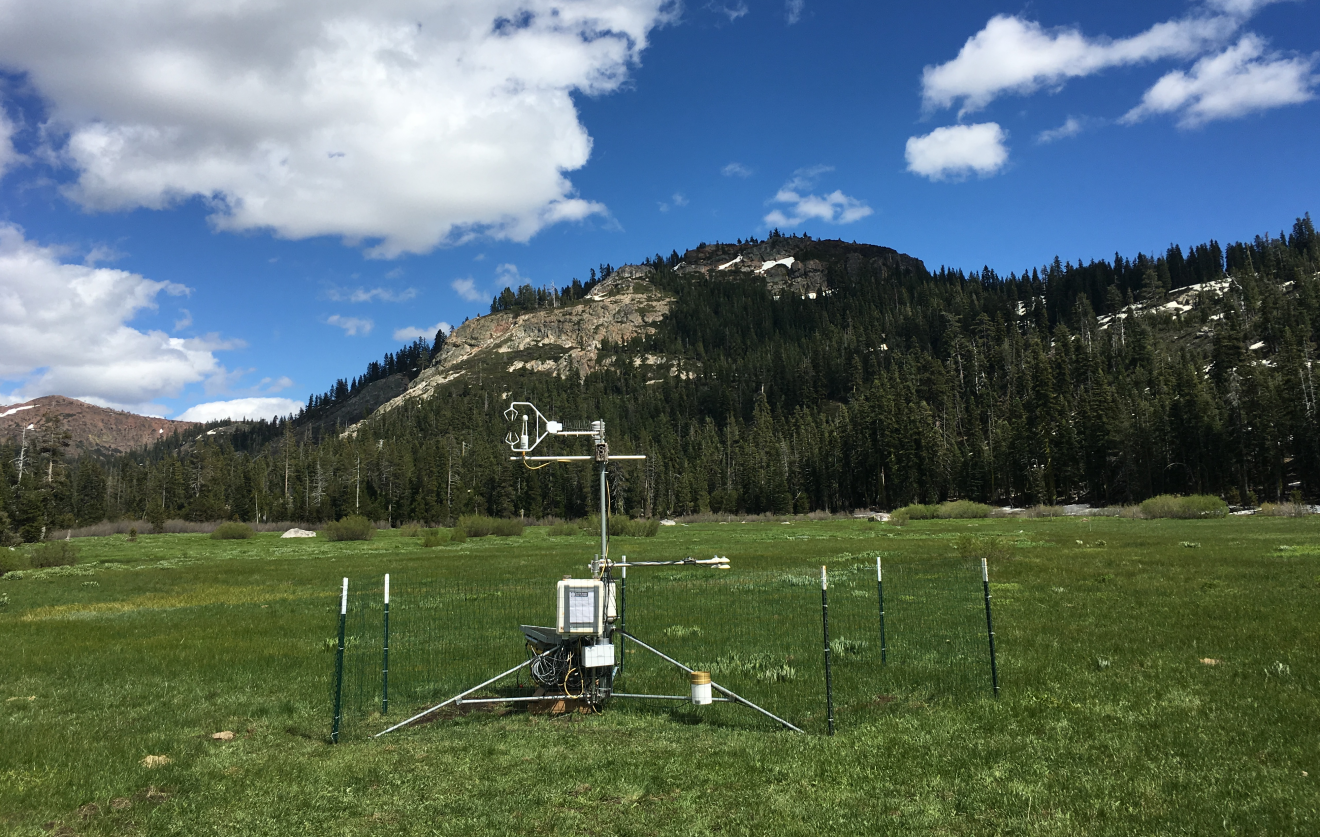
(1111, 720)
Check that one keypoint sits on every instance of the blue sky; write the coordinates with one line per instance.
(217, 210)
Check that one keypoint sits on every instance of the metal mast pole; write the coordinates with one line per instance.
(602, 454)
(604, 522)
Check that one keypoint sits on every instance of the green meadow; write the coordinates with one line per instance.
(1159, 677)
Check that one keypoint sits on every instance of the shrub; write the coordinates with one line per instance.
(412, 530)
(642, 527)
(132, 535)
(355, 527)
(1282, 509)
(480, 526)
(916, 511)
(54, 554)
(434, 537)
(952, 510)
(622, 526)
(1184, 508)
(457, 535)
(13, 561)
(231, 531)
(156, 517)
(560, 530)
(1045, 511)
(962, 510)
(974, 548)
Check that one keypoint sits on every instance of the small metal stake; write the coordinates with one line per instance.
(339, 663)
(880, 591)
(990, 626)
(385, 655)
(825, 622)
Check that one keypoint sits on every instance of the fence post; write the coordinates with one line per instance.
(339, 663)
(880, 591)
(623, 613)
(825, 622)
(385, 651)
(990, 625)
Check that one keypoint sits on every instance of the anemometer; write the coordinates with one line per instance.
(576, 660)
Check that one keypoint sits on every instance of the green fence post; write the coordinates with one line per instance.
(339, 663)
(990, 625)
(385, 655)
(825, 622)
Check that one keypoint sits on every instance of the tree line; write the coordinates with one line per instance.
(1106, 382)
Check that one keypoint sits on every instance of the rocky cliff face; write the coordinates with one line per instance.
(555, 341)
(93, 429)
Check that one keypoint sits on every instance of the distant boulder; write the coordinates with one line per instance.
(298, 533)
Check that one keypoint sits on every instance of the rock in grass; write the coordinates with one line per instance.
(298, 533)
(223, 735)
(156, 761)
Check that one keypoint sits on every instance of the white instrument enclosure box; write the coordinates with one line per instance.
(598, 656)
(580, 607)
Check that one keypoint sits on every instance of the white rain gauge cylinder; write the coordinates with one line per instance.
(701, 688)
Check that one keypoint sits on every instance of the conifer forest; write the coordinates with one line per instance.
(1106, 383)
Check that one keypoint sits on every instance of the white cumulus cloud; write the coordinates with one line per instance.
(732, 12)
(283, 382)
(9, 156)
(241, 408)
(352, 326)
(1071, 127)
(1240, 80)
(793, 10)
(736, 170)
(958, 151)
(467, 288)
(835, 207)
(1012, 55)
(508, 276)
(401, 126)
(410, 333)
(1241, 8)
(64, 329)
(678, 200)
(370, 294)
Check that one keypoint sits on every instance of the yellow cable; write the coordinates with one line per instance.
(566, 691)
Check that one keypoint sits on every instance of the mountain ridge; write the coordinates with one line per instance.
(102, 431)
(626, 305)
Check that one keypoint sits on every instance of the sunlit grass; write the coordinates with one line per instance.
(1111, 721)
